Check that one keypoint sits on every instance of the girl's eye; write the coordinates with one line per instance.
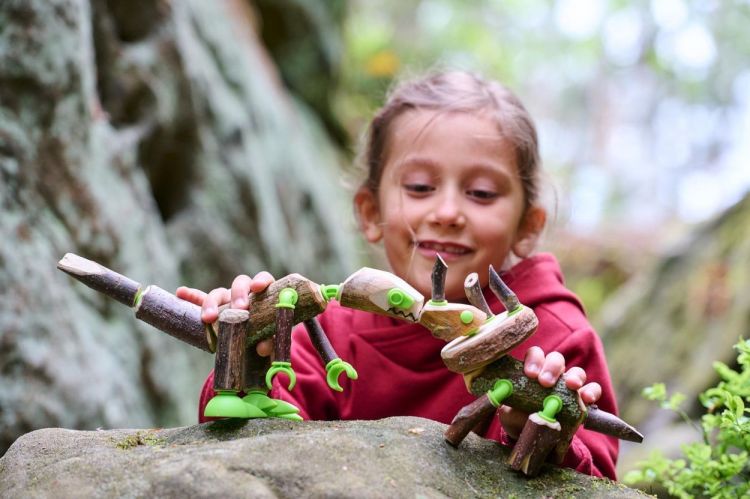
(482, 194)
(419, 188)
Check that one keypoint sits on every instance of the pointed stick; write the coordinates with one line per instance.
(474, 293)
(503, 292)
(439, 271)
(468, 418)
(100, 278)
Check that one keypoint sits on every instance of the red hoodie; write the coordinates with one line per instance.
(401, 372)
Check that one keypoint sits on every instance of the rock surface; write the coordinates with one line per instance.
(155, 138)
(395, 457)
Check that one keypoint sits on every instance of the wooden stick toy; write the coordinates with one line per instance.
(477, 345)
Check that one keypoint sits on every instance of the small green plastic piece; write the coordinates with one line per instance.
(467, 316)
(281, 367)
(334, 369)
(440, 303)
(226, 404)
(331, 292)
(259, 399)
(293, 417)
(399, 299)
(502, 389)
(552, 405)
(287, 298)
(283, 408)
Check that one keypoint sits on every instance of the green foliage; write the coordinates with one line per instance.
(717, 466)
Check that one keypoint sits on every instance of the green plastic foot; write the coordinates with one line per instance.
(226, 404)
(283, 409)
(259, 399)
(293, 417)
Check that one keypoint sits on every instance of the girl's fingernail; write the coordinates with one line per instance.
(239, 303)
(533, 368)
(547, 378)
(210, 311)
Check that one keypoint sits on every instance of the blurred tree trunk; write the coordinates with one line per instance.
(671, 322)
(155, 137)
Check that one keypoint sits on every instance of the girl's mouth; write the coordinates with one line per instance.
(448, 251)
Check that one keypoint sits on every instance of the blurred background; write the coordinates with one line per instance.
(183, 142)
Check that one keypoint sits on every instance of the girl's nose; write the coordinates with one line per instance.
(448, 212)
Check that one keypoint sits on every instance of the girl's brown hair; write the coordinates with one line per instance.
(464, 92)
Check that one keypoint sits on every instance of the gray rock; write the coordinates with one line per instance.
(395, 457)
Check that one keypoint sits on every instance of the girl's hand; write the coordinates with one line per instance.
(547, 370)
(242, 286)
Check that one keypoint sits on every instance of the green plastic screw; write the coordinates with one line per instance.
(501, 390)
(399, 299)
(287, 298)
(330, 291)
(467, 316)
(552, 405)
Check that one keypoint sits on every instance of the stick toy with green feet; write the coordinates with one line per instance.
(478, 343)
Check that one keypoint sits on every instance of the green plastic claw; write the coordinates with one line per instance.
(259, 399)
(226, 404)
(281, 367)
(552, 405)
(283, 408)
(334, 369)
(293, 417)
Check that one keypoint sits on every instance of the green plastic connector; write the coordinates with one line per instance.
(331, 292)
(399, 299)
(334, 369)
(226, 404)
(502, 389)
(552, 405)
(467, 316)
(440, 303)
(281, 367)
(287, 298)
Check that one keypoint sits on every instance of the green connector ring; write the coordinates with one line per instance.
(552, 405)
(502, 389)
(331, 292)
(287, 298)
(399, 299)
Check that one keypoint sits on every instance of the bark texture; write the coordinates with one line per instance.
(156, 138)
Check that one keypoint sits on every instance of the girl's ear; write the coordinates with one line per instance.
(368, 214)
(529, 231)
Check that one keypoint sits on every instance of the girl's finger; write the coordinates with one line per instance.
(590, 393)
(240, 291)
(533, 362)
(575, 378)
(552, 369)
(194, 296)
(264, 348)
(261, 281)
(216, 298)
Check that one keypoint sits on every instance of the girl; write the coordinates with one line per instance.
(452, 168)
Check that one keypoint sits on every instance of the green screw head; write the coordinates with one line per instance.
(467, 316)
(399, 299)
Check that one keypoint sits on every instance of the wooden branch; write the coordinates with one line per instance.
(473, 291)
(229, 363)
(534, 444)
(444, 321)
(100, 278)
(263, 305)
(503, 292)
(255, 369)
(177, 318)
(439, 271)
(468, 418)
(494, 339)
(320, 341)
(283, 338)
(528, 395)
(367, 289)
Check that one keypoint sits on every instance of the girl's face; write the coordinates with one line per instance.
(450, 186)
